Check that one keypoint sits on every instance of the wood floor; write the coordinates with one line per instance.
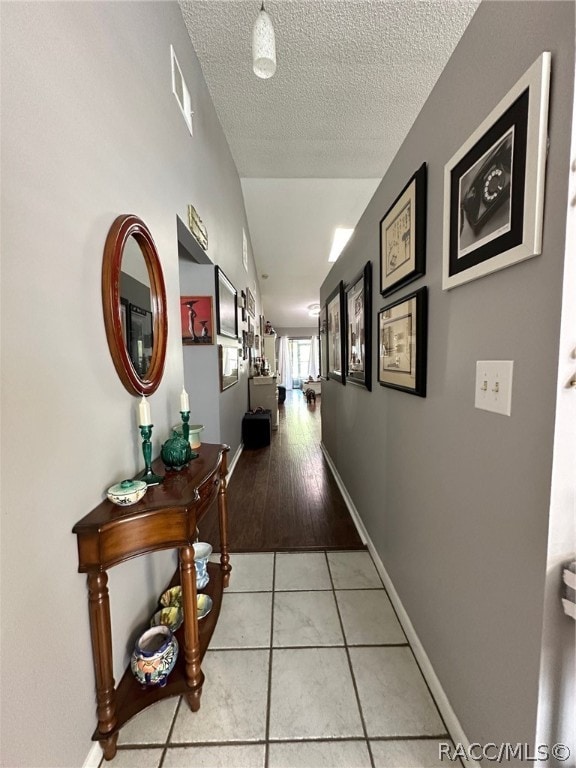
(283, 497)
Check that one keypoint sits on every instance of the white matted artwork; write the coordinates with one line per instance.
(494, 184)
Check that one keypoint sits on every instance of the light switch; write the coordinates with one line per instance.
(494, 385)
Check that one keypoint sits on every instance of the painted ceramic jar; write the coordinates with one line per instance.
(154, 656)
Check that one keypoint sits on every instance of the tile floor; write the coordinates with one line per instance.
(308, 668)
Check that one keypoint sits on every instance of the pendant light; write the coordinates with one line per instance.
(263, 46)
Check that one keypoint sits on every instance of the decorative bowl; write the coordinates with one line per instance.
(127, 492)
(171, 616)
(172, 597)
(194, 435)
(203, 606)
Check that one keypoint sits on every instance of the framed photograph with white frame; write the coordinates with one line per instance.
(359, 329)
(402, 343)
(336, 338)
(229, 362)
(403, 236)
(226, 303)
(494, 184)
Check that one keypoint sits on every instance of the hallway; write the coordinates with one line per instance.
(284, 497)
(308, 666)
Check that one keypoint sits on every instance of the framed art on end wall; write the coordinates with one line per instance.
(402, 343)
(226, 301)
(494, 184)
(336, 339)
(359, 329)
(403, 236)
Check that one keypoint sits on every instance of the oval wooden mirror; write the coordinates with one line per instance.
(134, 299)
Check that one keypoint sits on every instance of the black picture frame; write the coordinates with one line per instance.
(336, 335)
(403, 343)
(323, 341)
(250, 303)
(494, 184)
(226, 306)
(359, 329)
(403, 236)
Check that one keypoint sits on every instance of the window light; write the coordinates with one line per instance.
(180, 91)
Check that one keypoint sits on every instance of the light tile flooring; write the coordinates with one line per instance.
(308, 668)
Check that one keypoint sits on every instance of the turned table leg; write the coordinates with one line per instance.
(223, 519)
(194, 674)
(101, 633)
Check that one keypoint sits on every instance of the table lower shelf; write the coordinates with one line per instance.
(131, 697)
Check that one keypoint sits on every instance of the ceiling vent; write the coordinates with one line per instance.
(180, 90)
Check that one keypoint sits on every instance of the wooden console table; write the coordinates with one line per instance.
(166, 518)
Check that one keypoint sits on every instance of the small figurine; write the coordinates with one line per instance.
(268, 330)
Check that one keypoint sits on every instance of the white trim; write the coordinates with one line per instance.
(234, 461)
(94, 757)
(362, 532)
(449, 716)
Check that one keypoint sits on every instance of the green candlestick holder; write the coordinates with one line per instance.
(185, 426)
(149, 477)
(186, 429)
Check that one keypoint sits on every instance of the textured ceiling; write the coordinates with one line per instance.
(351, 77)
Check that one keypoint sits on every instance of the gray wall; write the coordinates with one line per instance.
(456, 500)
(90, 129)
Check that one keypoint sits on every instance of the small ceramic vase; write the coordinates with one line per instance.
(202, 551)
(154, 656)
(176, 453)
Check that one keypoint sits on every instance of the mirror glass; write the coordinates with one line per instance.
(134, 299)
(136, 307)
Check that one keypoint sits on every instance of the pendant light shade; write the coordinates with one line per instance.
(263, 46)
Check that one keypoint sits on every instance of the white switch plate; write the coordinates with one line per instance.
(494, 385)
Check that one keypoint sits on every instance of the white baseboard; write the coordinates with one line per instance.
(94, 756)
(234, 461)
(449, 716)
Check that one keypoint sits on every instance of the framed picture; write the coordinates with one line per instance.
(197, 317)
(229, 359)
(402, 343)
(243, 305)
(494, 184)
(250, 303)
(336, 339)
(358, 329)
(403, 236)
(226, 300)
(323, 337)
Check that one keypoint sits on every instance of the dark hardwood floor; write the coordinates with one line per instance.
(283, 497)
